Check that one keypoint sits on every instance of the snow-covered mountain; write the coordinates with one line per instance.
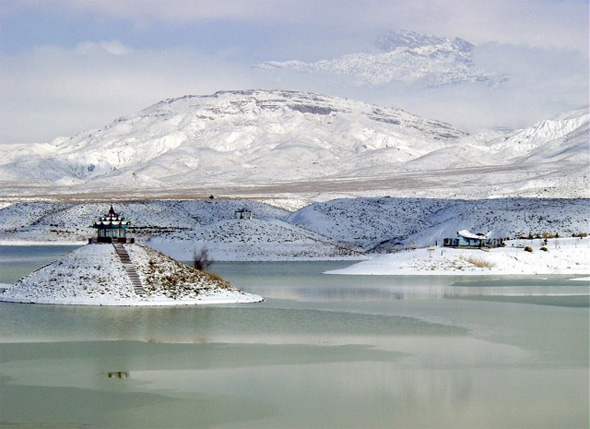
(239, 136)
(291, 143)
(404, 56)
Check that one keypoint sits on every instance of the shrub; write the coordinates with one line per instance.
(528, 249)
(480, 263)
(201, 259)
(544, 249)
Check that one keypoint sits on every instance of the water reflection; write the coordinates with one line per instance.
(463, 383)
(288, 281)
(118, 374)
(418, 290)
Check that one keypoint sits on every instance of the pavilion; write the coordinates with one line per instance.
(111, 228)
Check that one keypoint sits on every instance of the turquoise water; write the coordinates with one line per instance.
(321, 351)
(18, 261)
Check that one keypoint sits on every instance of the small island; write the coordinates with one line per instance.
(113, 270)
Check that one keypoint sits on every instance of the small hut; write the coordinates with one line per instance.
(111, 227)
(466, 238)
(243, 214)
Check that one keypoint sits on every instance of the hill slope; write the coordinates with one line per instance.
(290, 143)
(236, 136)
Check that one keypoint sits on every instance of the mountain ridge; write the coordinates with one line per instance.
(243, 141)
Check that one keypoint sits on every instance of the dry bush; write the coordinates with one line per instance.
(201, 260)
(528, 249)
(213, 276)
(480, 263)
(546, 234)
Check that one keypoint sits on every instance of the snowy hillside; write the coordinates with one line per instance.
(405, 56)
(234, 136)
(298, 145)
(342, 229)
(60, 221)
(394, 223)
(565, 136)
(251, 240)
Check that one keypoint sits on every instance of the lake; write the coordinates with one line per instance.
(321, 351)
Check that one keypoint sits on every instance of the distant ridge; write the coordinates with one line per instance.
(278, 142)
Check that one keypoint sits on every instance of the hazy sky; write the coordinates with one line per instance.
(70, 65)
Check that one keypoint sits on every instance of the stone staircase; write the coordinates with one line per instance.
(129, 268)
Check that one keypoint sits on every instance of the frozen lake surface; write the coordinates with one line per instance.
(321, 351)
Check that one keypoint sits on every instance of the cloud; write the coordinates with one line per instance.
(144, 13)
(51, 91)
(113, 47)
(70, 65)
(538, 23)
(534, 22)
(539, 84)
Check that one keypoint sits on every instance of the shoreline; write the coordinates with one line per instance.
(41, 243)
(249, 299)
(566, 257)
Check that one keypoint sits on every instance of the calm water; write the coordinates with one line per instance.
(321, 351)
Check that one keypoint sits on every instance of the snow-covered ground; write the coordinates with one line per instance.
(343, 228)
(94, 275)
(568, 256)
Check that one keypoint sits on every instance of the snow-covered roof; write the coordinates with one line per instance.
(111, 220)
(468, 234)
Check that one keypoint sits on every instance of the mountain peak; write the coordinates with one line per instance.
(410, 39)
(406, 56)
(241, 136)
(406, 39)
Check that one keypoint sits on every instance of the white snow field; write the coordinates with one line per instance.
(569, 256)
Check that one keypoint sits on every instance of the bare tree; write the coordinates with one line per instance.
(201, 260)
